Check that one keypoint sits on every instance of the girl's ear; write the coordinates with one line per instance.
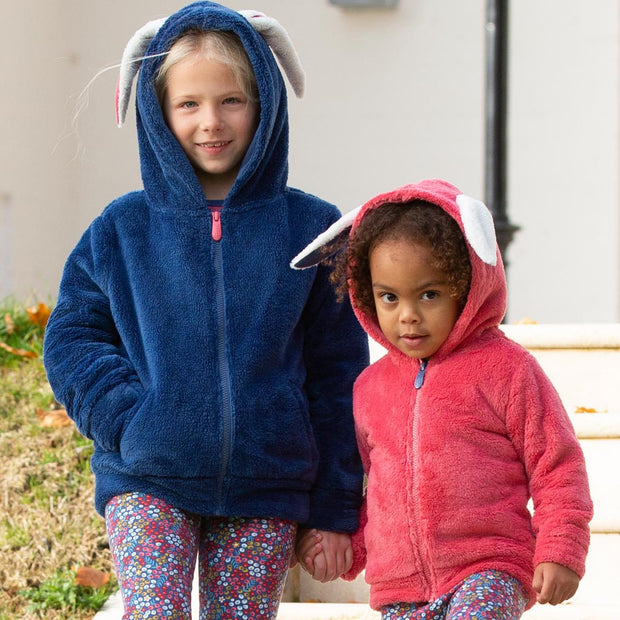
(130, 63)
(479, 229)
(270, 29)
(327, 243)
(281, 45)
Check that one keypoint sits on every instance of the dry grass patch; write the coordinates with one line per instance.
(48, 526)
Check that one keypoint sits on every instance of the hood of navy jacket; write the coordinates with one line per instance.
(167, 174)
(486, 301)
(206, 371)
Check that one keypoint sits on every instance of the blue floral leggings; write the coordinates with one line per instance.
(242, 562)
(489, 595)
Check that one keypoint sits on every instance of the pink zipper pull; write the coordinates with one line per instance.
(216, 223)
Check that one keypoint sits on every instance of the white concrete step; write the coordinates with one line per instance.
(583, 361)
(359, 611)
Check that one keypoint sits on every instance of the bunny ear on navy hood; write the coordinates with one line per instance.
(269, 28)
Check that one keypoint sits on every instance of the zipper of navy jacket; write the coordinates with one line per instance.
(224, 372)
(417, 384)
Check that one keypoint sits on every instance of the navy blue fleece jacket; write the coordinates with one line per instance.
(207, 372)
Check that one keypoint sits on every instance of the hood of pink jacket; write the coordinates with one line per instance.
(486, 302)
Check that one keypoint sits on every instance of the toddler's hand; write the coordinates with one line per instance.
(554, 583)
(336, 557)
(307, 548)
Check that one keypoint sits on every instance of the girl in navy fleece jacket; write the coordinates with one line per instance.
(214, 381)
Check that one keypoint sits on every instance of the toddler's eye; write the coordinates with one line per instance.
(388, 298)
(430, 295)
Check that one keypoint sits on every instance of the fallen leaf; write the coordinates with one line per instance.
(39, 314)
(526, 321)
(54, 418)
(587, 410)
(91, 577)
(10, 325)
(14, 351)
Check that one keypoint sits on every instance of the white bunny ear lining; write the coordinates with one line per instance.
(479, 229)
(281, 45)
(327, 243)
(270, 29)
(130, 63)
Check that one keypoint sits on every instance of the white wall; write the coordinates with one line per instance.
(564, 160)
(35, 170)
(393, 96)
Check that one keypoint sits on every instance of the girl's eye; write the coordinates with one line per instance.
(189, 104)
(230, 100)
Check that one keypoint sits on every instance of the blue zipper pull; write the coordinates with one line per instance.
(419, 378)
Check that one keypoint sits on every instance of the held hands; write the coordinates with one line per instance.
(554, 583)
(325, 555)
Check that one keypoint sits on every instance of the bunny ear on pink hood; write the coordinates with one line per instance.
(486, 302)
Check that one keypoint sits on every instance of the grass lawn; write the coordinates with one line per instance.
(49, 531)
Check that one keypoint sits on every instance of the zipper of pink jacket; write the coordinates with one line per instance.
(418, 382)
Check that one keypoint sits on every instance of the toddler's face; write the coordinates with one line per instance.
(211, 118)
(412, 298)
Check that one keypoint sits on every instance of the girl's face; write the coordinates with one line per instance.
(212, 119)
(412, 298)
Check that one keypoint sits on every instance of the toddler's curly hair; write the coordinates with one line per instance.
(417, 221)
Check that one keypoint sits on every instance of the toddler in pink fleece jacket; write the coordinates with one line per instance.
(458, 426)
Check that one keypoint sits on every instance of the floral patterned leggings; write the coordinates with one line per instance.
(489, 595)
(242, 562)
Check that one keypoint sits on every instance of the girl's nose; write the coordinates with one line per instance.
(210, 119)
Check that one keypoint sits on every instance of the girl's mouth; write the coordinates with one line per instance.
(213, 146)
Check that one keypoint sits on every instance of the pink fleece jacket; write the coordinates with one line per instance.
(452, 464)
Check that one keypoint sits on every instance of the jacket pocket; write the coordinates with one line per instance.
(278, 440)
(165, 439)
(111, 413)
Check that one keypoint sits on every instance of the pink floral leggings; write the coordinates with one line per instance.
(242, 562)
(489, 595)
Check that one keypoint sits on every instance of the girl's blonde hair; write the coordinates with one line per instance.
(218, 45)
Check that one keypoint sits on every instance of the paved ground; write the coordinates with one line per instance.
(113, 610)
(355, 611)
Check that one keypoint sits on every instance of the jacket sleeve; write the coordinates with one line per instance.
(359, 547)
(335, 352)
(554, 462)
(358, 539)
(83, 359)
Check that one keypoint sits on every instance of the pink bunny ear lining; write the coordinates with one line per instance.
(116, 102)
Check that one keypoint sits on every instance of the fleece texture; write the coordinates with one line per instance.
(452, 464)
(207, 372)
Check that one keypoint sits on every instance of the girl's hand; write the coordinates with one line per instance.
(554, 583)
